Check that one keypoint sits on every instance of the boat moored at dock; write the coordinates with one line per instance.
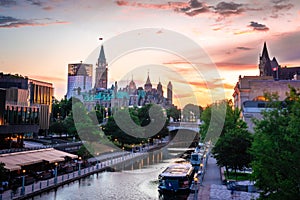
(176, 178)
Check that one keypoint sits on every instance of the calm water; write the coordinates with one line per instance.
(137, 180)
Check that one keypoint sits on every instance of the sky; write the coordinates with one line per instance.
(201, 46)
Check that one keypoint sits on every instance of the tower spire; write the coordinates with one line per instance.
(265, 52)
(148, 85)
(101, 71)
(101, 59)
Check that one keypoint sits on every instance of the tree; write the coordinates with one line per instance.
(218, 118)
(58, 127)
(191, 112)
(276, 149)
(70, 126)
(134, 125)
(232, 150)
(174, 113)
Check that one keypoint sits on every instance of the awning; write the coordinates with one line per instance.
(14, 161)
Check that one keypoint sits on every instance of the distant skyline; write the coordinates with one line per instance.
(40, 38)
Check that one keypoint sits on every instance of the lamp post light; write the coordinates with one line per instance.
(97, 161)
(55, 175)
(79, 166)
(148, 143)
(111, 156)
(23, 183)
(196, 188)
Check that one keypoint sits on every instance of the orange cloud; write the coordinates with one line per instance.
(234, 66)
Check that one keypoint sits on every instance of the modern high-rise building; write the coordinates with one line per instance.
(25, 109)
(101, 71)
(40, 95)
(80, 78)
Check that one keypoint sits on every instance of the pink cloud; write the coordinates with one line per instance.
(167, 6)
(190, 8)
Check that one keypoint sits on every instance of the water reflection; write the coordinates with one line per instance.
(134, 179)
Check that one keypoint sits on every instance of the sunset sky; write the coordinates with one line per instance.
(40, 38)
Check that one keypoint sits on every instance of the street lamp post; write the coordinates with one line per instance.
(23, 183)
(79, 166)
(55, 175)
(196, 188)
(97, 161)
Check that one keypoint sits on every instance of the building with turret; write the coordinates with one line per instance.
(148, 85)
(268, 67)
(249, 91)
(114, 97)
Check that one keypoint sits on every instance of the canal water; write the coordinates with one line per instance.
(133, 180)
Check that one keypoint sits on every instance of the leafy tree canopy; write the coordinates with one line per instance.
(276, 150)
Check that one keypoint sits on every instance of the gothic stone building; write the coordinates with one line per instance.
(272, 79)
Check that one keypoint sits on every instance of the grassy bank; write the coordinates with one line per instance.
(238, 177)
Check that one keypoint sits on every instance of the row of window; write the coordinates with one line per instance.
(21, 115)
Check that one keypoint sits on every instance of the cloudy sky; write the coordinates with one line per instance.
(39, 38)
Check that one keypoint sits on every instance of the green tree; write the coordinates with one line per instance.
(191, 112)
(218, 118)
(131, 125)
(86, 128)
(70, 126)
(174, 113)
(276, 149)
(119, 136)
(232, 150)
(58, 127)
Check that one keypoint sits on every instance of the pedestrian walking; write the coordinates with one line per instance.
(232, 193)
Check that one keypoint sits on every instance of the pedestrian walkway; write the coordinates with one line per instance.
(220, 192)
(104, 161)
(212, 188)
(211, 176)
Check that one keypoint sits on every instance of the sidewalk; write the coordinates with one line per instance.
(220, 192)
(211, 176)
(212, 188)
